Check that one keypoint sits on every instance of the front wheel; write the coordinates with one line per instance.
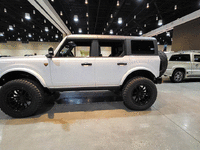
(177, 76)
(20, 98)
(139, 93)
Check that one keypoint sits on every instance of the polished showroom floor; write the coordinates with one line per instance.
(98, 120)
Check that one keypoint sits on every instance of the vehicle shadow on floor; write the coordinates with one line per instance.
(167, 80)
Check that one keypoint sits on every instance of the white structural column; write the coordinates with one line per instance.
(173, 24)
(45, 8)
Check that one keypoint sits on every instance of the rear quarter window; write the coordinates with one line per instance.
(182, 57)
(142, 47)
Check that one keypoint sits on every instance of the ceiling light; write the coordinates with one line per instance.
(29, 35)
(76, 18)
(41, 40)
(147, 5)
(140, 33)
(86, 1)
(104, 29)
(51, 27)
(130, 34)
(34, 12)
(156, 17)
(18, 39)
(52, 0)
(120, 29)
(27, 16)
(117, 3)
(56, 36)
(136, 30)
(87, 15)
(111, 31)
(66, 21)
(160, 22)
(45, 21)
(24, 30)
(80, 30)
(107, 23)
(5, 10)
(88, 32)
(69, 28)
(167, 33)
(116, 33)
(73, 32)
(126, 24)
(175, 7)
(22, 20)
(87, 22)
(135, 16)
(111, 16)
(61, 13)
(13, 25)
(158, 43)
(33, 26)
(145, 25)
(87, 28)
(10, 27)
(120, 20)
(46, 29)
(1, 34)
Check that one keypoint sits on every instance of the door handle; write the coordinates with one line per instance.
(86, 64)
(121, 64)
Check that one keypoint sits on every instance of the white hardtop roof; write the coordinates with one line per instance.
(188, 52)
(114, 37)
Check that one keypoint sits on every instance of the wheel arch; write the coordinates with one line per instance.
(142, 73)
(179, 68)
(21, 73)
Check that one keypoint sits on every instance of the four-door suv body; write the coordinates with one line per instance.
(183, 64)
(84, 62)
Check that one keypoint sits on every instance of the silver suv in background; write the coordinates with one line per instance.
(182, 65)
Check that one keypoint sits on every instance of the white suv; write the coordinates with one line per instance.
(84, 62)
(183, 64)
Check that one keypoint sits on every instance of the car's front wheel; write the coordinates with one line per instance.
(20, 98)
(177, 76)
(139, 93)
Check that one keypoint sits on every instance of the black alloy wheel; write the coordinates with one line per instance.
(139, 93)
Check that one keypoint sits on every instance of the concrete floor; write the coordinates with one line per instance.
(98, 120)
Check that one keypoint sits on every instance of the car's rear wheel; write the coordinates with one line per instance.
(139, 93)
(177, 76)
(20, 98)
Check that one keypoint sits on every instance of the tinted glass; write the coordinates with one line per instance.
(182, 57)
(142, 47)
(197, 58)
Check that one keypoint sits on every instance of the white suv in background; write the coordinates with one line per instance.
(132, 65)
(183, 64)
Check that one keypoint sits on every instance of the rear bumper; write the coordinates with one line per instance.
(158, 80)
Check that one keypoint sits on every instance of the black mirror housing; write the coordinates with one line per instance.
(50, 51)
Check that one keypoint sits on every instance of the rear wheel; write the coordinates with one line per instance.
(20, 98)
(139, 93)
(177, 76)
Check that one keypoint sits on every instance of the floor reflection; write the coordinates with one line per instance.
(84, 97)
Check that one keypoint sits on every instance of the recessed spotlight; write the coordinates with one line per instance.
(140, 33)
(27, 16)
(167, 33)
(87, 15)
(160, 22)
(111, 16)
(86, 1)
(126, 24)
(19, 39)
(56, 36)
(34, 12)
(120, 20)
(66, 21)
(135, 16)
(147, 5)
(33, 26)
(5, 10)
(111, 31)
(41, 40)
(29, 35)
(61, 13)
(76, 18)
(107, 23)
(46, 29)
(117, 3)
(45, 21)
(175, 7)
(145, 25)
(11, 27)
(80, 30)
(52, 0)
(1, 34)
(87, 23)
(22, 20)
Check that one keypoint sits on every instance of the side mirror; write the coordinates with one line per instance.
(50, 52)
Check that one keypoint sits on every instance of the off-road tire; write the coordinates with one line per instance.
(163, 62)
(177, 76)
(15, 92)
(139, 93)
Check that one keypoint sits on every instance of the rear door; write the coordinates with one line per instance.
(111, 64)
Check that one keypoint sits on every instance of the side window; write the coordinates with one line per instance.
(197, 58)
(142, 47)
(111, 48)
(182, 57)
(73, 48)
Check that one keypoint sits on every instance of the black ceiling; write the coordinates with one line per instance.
(134, 13)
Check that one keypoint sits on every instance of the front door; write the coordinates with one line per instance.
(196, 66)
